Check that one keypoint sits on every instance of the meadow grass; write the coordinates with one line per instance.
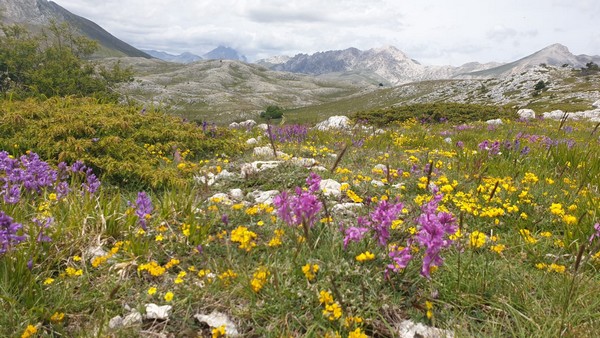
(522, 259)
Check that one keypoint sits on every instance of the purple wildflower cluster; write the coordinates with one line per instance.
(496, 147)
(379, 222)
(596, 234)
(28, 173)
(9, 233)
(143, 209)
(301, 208)
(546, 141)
(435, 227)
(289, 133)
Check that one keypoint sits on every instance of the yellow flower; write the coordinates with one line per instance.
(218, 332)
(353, 196)
(259, 279)
(159, 238)
(325, 297)
(477, 239)
(57, 317)
(429, 308)
(29, 331)
(357, 334)
(498, 248)
(365, 256)
(52, 197)
(310, 271)
(332, 311)
(152, 291)
(48, 281)
(569, 219)
(169, 296)
(71, 272)
(243, 236)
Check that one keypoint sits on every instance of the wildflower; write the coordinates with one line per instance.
(259, 279)
(8, 233)
(48, 281)
(527, 237)
(29, 331)
(429, 308)
(152, 290)
(325, 297)
(168, 296)
(557, 209)
(498, 248)
(143, 209)
(72, 272)
(332, 311)
(354, 234)
(477, 239)
(57, 317)
(227, 276)
(310, 271)
(597, 233)
(569, 219)
(245, 237)
(353, 196)
(276, 240)
(299, 209)
(365, 256)
(357, 333)
(382, 217)
(218, 332)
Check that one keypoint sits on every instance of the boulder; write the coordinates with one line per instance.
(526, 114)
(495, 122)
(334, 122)
(330, 187)
(248, 124)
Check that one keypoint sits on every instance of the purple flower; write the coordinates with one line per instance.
(8, 233)
(597, 233)
(42, 224)
(354, 234)
(381, 220)
(143, 209)
(400, 258)
(313, 181)
(301, 208)
(12, 195)
(225, 219)
(92, 183)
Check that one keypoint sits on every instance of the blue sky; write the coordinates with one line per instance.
(435, 32)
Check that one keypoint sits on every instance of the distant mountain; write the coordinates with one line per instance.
(224, 53)
(553, 55)
(181, 58)
(387, 65)
(38, 13)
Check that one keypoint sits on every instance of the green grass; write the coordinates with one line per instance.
(479, 290)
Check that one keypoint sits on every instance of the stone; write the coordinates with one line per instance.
(234, 125)
(267, 151)
(251, 141)
(248, 124)
(330, 187)
(334, 122)
(115, 322)
(346, 209)
(154, 311)
(526, 114)
(134, 318)
(410, 329)
(217, 319)
(596, 104)
(258, 166)
(265, 197)
(495, 122)
(236, 194)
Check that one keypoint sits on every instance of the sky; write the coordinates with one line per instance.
(433, 32)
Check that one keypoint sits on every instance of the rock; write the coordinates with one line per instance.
(596, 104)
(377, 183)
(251, 141)
(334, 122)
(330, 187)
(221, 197)
(265, 197)
(267, 151)
(410, 329)
(224, 174)
(495, 122)
(263, 127)
(154, 311)
(134, 318)
(448, 140)
(526, 114)
(208, 179)
(248, 124)
(217, 319)
(381, 167)
(115, 322)
(258, 166)
(303, 162)
(236, 194)
(346, 209)
(234, 125)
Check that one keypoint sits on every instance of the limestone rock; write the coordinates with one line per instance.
(154, 311)
(526, 114)
(495, 122)
(217, 319)
(334, 122)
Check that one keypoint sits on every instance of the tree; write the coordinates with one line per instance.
(272, 112)
(53, 64)
(541, 85)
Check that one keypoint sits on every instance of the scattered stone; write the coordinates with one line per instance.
(381, 167)
(263, 127)
(346, 209)
(234, 125)
(154, 311)
(258, 166)
(319, 168)
(236, 194)
(267, 151)
(495, 122)
(134, 318)
(115, 322)
(377, 183)
(330, 187)
(251, 141)
(248, 124)
(334, 122)
(303, 162)
(448, 140)
(379, 132)
(410, 329)
(265, 197)
(217, 319)
(526, 114)
(222, 197)
(94, 251)
(596, 104)
(208, 179)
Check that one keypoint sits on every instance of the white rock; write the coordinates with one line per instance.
(234, 125)
(381, 167)
(319, 168)
(410, 329)
(208, 179)
(251, 141)
(222, 197)
(495, 122)
(154, 311)
(263, 126)
(596, 104)
(236, 194)
(248, 124)
(115, 322)
(267, 151)
(265, 197)
(448, 140)
(224, 174)
(379, 131)
(133, 318)
(334, 122)
(346, 209)
(330, 187)
(377, 183)
(94, 251)
(258, 166)
(217, 319)
(526, 114)
(303, 162)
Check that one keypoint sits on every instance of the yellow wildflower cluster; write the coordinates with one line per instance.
(244, 237)
(477, 239)
(332, 309)
(527, 237)
(429, 308)
(227, 276)
(259, 279)
(218, 332)
(72, 272)
(97, 261)
(357, 333)
(310, 271)
(153, 268)
(353, 196)
(258, 208)
(365, 256)
(30, 330)
(276, 240)
(551, 267)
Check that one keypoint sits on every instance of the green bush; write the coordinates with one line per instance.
(436, 112)
(126, 147)
(272, 112)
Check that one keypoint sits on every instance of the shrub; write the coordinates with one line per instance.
(272, 112)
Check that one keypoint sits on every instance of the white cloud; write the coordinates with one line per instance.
(430, 31)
